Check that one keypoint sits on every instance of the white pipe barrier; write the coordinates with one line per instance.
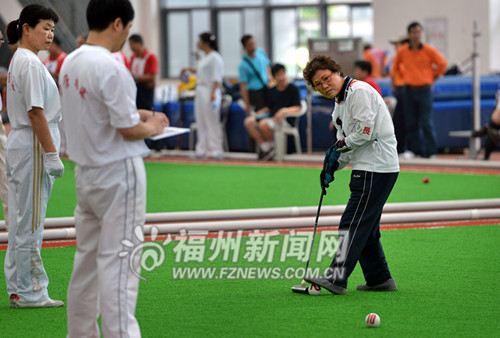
(286, 212)
(328, 221)
(291, 222)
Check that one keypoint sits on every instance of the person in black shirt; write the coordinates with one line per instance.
(282, 100)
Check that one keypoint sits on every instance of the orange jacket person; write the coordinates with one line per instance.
(420, 65)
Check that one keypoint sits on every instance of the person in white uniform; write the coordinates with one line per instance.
(4, 187)
(32, 155)
(105, 140)
(207, 101)
(366, 141)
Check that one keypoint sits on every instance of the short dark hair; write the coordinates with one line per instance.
(413, 25)
(30, 15)
(209, 38)
(364, 65)
(136, 38)
(56, 41)
(100, 13)
(277, 67)
(245, 39)
(320, 62)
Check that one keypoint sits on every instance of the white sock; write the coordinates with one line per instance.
(265, 146)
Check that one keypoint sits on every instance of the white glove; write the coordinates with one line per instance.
(53, 165)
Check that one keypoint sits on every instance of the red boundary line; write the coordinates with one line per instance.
(433, 225)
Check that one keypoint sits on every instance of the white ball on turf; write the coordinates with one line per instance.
(372, 320)
(314, 290)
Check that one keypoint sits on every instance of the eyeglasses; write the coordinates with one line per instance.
(322, 81)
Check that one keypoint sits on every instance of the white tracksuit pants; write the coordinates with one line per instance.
(29, 191)
(111, 204)
(207, 116)
(4, 186)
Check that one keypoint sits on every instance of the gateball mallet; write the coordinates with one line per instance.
(302, 288)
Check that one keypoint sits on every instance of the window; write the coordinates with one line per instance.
(293, 2)
(200, 23)
(179, 46)
(339, 25)
(184, 3)
(362, 22)
(345, 21)
(284, 39)
(281, 27)
(238, 3)
(291, 29)
(229, 28)
(309, 24)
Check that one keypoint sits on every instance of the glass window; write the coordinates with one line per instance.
(284, 38)
(238, 3)
(350, 1)
(293, 2)
(309, 24)
(200, 23)
(178, 48)
(362, 23)
(293, 23)
(253, 24)
(184, 3)
(339, 25)
(309, 28)
(229, 28)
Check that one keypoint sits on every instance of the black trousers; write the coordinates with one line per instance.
(491, 139)
(361, 221)
(258, 98)
(145, 97)
(399, 119)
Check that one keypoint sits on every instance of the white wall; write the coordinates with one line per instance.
(391, 17)
(147, 23)
(10, 10)
(495, 35)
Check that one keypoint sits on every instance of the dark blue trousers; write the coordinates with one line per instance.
(399, 119)
(361, 220)
(419, 121)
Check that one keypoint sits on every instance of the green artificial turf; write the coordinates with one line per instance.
(447, 279)
(187, 187)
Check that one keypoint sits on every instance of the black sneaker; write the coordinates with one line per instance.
(260, 154)
(268, 155)
(388, 285)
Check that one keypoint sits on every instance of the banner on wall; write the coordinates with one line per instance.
(436, 34)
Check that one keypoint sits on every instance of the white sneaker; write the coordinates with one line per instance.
(154, 154)
(407, 155)
(22, 304)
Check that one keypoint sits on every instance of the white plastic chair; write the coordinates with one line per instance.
(284, 129)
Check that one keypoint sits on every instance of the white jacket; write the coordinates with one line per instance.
(364, 123)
